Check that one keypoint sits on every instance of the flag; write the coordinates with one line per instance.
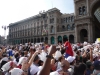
(69, 51)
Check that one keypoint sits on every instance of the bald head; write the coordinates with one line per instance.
(65, 63)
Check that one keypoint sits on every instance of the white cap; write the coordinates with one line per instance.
(16, 71)
(20, 44)
(85, 43)
(22, 59)
(7, 66)
(70, 59)
(34, 69)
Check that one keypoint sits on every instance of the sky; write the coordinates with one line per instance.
(15, 10)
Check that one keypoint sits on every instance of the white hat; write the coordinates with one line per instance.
(6, 66)
(54, 73)
(34, 69)
(20, 44)
(16, 71)
(85, 47)
(22, 59)
(85, 43)
(70, 59)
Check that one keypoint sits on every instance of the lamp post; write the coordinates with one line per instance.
(5, 28)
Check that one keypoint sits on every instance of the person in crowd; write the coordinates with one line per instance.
(60, 59)
(96, 68)
(80, 69)
(8, 66)
(90, 68)
(34, 67)
(71, 60)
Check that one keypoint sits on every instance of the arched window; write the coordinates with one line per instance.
(58, 28)
(84, 10)
(63, 28)
(52, 29)
(69, 19)
(72, 19)
(80, 11)
(68, 27)
(66, 20)
(73, 26)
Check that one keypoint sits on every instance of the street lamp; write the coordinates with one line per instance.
(5, 28)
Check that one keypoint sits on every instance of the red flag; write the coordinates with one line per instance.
(69, 50)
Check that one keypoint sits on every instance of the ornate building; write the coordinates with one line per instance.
(87, 20)
(51, 26)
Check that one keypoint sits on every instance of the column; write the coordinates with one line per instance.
(89, 33)
(49, 40)
(55, 39)
(87, 1)
(76, 37)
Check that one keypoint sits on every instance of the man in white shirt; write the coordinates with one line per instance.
(34, 67)
(71, 60)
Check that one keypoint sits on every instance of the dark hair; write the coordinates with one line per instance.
(40, 63)
(65, 39)
(22, 53)
(60, 58)
(72, 63)
(79, 69)
(36, 58)
(17, 57)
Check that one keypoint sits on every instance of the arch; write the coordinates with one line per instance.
(73, 26)
(31, 40)
(69, 19)
(68, 27)
(46, 39)
(80, 11)
(72, 18)
(66, 20)
(59, 39)
(21, 41)
(95, 2)
(38, 40)
(42, 39)
(83, 35)
(52, 40)
(95, 5)
(52, 29)
(63, 28)
(84, 10)
(71, 38)
(58, 28)
(25, 40)
(34, 40)
(65, 38)
(28, 40)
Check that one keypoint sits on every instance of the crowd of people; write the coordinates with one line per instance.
(46, 59)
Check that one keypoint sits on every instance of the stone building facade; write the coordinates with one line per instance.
(86, 22)
(51, 27)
